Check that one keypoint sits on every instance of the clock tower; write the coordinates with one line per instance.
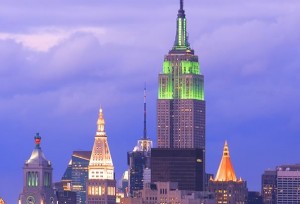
(37, 173)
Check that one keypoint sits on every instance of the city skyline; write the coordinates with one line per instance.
(249, 58)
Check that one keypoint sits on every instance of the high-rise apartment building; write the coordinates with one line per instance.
(37, 174)
(180, 104)
(101, 184)
(227, 188)
(139, 160)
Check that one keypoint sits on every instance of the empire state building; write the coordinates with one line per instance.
(181, 104)
(180, 156)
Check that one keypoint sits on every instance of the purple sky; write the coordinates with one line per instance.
(59, 60)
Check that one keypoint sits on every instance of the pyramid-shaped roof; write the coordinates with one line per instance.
(225, 171)
(100, 155)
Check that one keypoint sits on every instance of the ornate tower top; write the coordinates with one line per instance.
(101, 160)
(181, 40)
(37, 157)
(37, 178)
(225, 171)
(37, 139)
(100, 124)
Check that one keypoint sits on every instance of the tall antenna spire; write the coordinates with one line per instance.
(145, 114)
(181, 4)
(181, 39)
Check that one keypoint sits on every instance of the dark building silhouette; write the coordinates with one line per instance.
(184, 166)
(254, 198)
(269, 186)
(138, 160)
(66, 197)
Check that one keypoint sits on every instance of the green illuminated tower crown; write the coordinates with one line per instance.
(181, 78)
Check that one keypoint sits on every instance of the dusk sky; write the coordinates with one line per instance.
(61, 60)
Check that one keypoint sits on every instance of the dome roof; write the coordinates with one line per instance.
(37, 156)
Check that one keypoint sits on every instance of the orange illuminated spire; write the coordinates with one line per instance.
(225, 171)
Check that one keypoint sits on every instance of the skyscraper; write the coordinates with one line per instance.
(139, 159)
(180, 116)
(281, 186)
(288, 184)
(269, 186)
(101, 184)
(76, 175)
(226, 186)
(180, 104)
(37, 173)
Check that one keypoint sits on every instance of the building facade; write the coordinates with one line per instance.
(288, 184)
(139, 159)
(184, 166)
(37, 178)
(180, 104)
(66, 197)
(168, 192)
(101, 184)
(281, 185)
(269, 186)
(227, 188)
(254, 198)
(76, 175)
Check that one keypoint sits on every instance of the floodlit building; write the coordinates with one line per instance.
(101, 184)
(138, 160)
(226, 186)
(180, 111)
(37, 178)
